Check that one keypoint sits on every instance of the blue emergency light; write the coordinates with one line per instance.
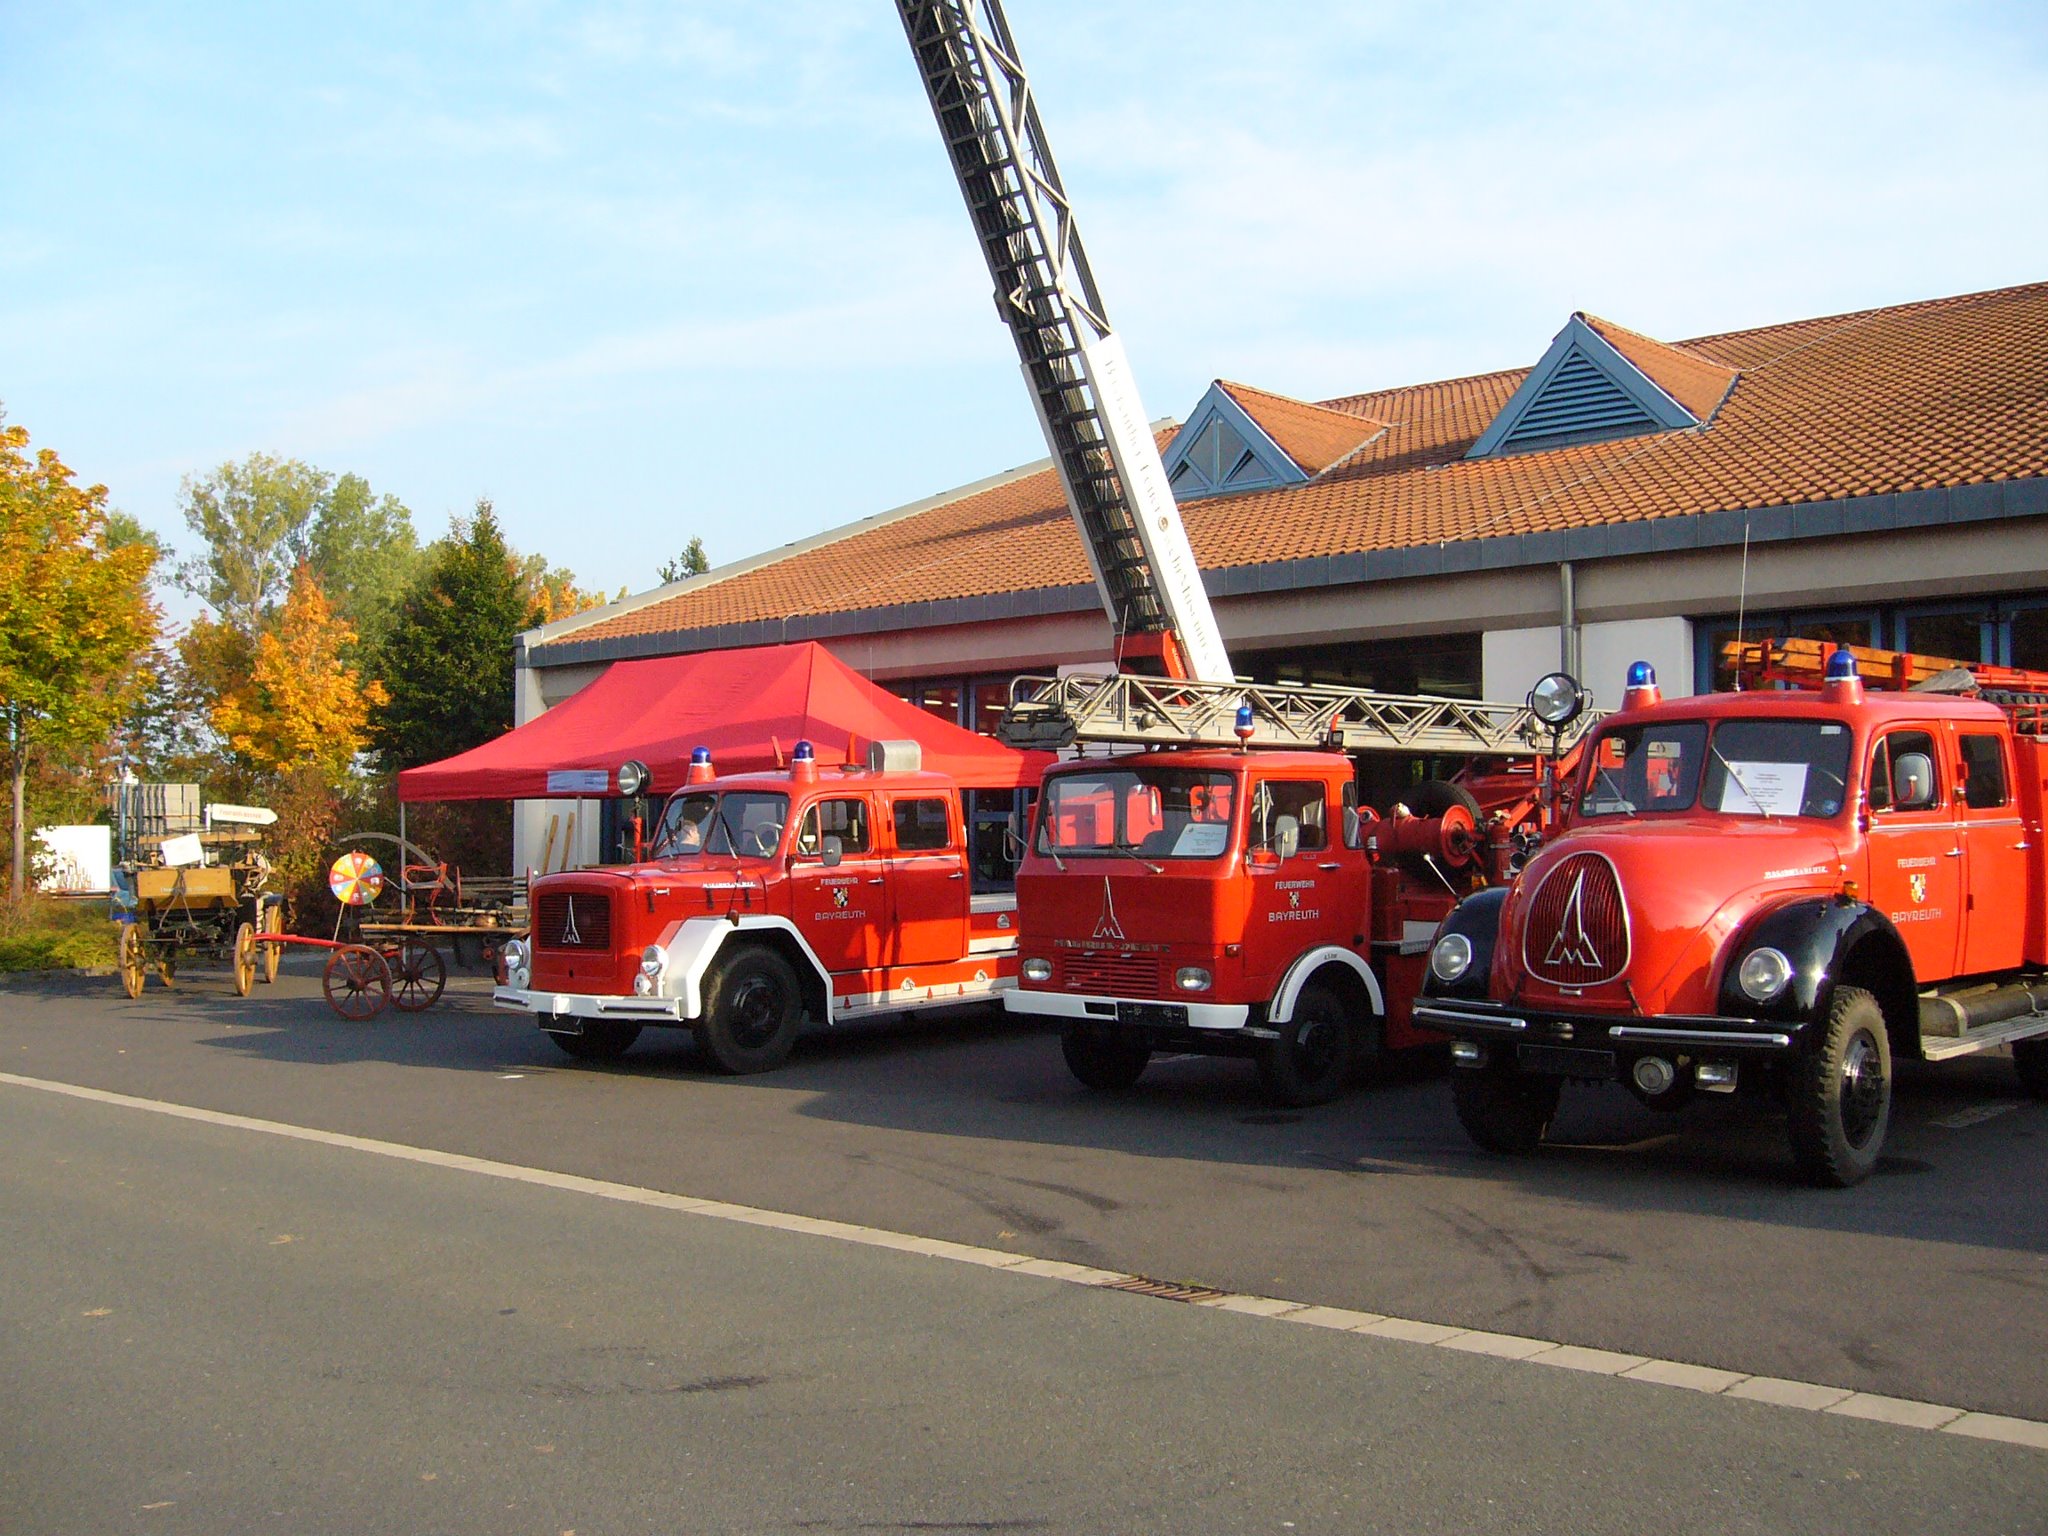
(803, 753)
(1641, 675)
(1841, 665)
(700, 754)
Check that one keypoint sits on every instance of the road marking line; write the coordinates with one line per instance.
(1511, 1348)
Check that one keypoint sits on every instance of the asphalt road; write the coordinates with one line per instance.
(1683, 1239)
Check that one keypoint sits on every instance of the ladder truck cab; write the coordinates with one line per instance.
(1784, 891)
(766, 899)
(1229, 901)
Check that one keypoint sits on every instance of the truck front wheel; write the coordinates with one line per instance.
(1504, 1111)
(1310, 1061)
(1104, 1058)
(1841, 1097)
(601, 1040)
(751, 1012)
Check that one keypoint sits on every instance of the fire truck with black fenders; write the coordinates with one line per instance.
(1784, 890)
(1196, 895)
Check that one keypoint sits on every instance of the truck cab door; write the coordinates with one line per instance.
(1995, 852)
(1299, 894)
(841, 909)
(927, 879)
(1915, 848)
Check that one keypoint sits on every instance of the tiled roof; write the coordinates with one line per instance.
(1919, 396)
(1698, 383)
(1314, 436)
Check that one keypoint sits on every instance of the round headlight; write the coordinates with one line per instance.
(1763, 974)
(1450, 957)
(651, 960)
(633, 777)
(1557, 699)
(1192, 978)
(1038, 970)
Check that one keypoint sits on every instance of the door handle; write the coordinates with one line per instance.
(877, 879)
(1333, 864)
(958, 874)
(1953, 853)
(2023, 846)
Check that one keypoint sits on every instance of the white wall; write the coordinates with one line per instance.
(1511, 660)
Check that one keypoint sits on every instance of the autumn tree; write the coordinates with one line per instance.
(691, 562)
(75, 620)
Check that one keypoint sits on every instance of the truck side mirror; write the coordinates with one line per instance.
(1013, 828)
(832, 851)
(1354, 828)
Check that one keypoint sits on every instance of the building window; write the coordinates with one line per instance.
(1443, 665)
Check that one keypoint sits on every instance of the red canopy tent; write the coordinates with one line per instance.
(743, 705)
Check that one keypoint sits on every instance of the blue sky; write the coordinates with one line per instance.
(640, 271)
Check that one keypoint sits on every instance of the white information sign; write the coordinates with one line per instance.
(1201, 840)
(578, 781)
(1774, 789)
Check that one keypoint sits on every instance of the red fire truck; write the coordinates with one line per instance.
(1782, 891)
(767, 898)
(1230, 901)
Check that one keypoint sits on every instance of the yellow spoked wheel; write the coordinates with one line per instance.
(273, 922)
(134, 965)
(245, 959)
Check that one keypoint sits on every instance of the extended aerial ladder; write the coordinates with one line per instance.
(1109, 462)
(1080, 382)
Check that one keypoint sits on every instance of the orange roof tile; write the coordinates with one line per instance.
(1916, 396)
(1695, 382)
(1314, 436)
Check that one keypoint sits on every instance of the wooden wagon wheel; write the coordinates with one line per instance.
(167, 965)
(245, 959)
(134, 965)
(418, 973)
(272, 922)
(357, 982)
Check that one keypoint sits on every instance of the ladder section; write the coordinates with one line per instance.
(1080, 383)
(1804, 663)
(1055, 712)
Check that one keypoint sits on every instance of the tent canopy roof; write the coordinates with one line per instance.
(744, 705)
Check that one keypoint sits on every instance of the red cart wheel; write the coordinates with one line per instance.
(357, 982)
(418, 973)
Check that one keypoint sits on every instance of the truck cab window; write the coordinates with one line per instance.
(1902, 776)
(1983, 772)
(921, 826)
(1303, 802)
(846, 820)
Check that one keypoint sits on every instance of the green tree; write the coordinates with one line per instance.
(364, 551)
(75, 620)
(446, 657)
(691, 562)
(254, 519)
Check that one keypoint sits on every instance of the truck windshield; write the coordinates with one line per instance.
(1153, 813)
(1730, 767)
(745, 822)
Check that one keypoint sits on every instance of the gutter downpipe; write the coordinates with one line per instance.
(1567, 620)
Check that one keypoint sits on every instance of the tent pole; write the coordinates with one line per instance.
(404, 896)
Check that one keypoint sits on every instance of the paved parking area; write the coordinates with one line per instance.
(1686, 1239)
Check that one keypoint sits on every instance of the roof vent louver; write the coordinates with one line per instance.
(1583, 391)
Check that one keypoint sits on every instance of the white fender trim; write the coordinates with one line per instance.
(693, 944)
(1307, 965)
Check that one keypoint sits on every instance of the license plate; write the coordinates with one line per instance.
(1565, 1060)
(561, 1024)
(1157, 1015)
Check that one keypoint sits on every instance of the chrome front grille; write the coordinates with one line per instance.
(573, 920)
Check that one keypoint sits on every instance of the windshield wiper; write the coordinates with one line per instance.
(1131, 853)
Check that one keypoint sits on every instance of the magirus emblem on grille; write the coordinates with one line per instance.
(1106, 926)
(1573, 945)
(571, 939)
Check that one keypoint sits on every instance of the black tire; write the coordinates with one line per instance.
(2030, 1060)
(601, 1040)
(1311, 1062)
(1103, 1057)
(751, 1011)
(1841, 1094)
(1503, 1110)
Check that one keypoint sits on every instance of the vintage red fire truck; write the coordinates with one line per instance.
(1784, 891)
(768, 899)
(1231, 901)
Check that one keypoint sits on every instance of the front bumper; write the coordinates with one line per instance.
(1137, 1012)
(1599, 1045)
(585, 1005)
